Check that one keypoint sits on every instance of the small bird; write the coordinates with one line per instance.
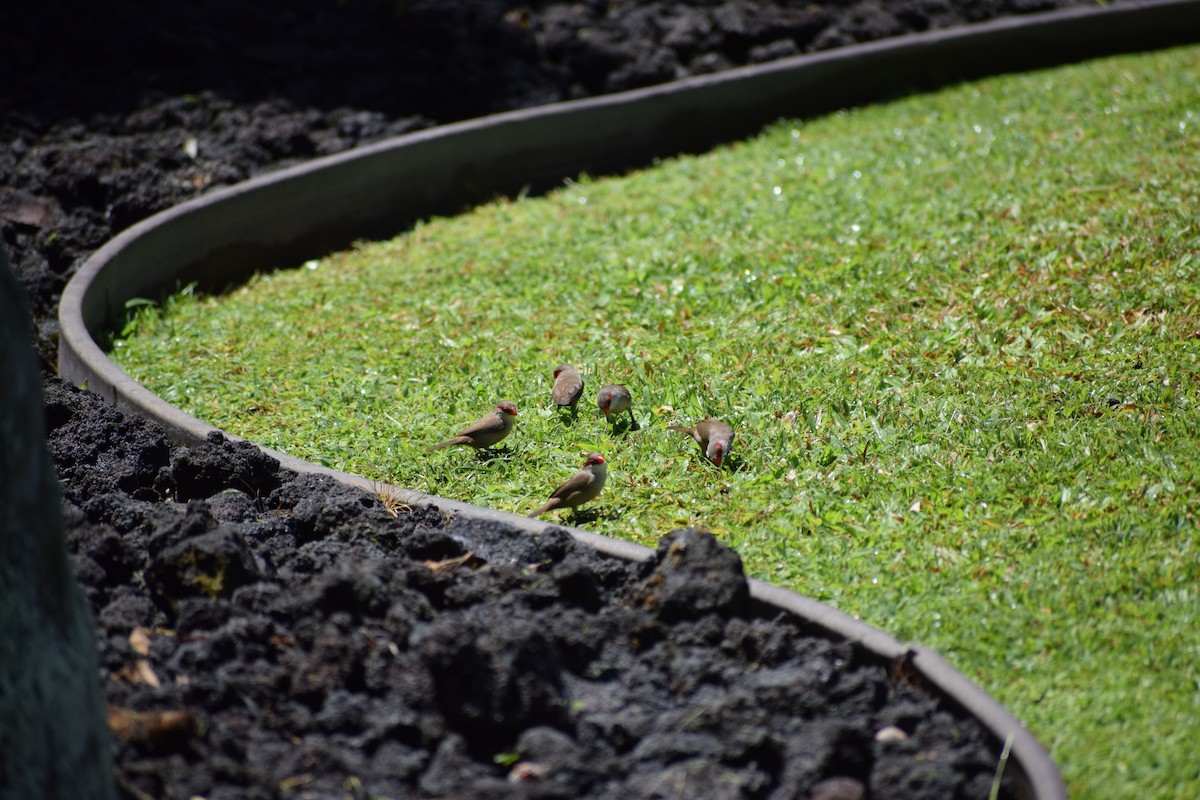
(614, 399)
(715, 438)
(583, 486)
(568, 386)
(487, 430)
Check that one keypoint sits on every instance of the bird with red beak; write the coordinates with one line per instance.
(487, 430)
(582, 487)
(714, 437)
(615, 399)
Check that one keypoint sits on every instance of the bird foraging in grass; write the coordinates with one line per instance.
(580, 488)
(487, 430)
(614, 399)
(568, 386)
(714, 437)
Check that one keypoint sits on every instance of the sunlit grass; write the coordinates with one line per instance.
(958, 335)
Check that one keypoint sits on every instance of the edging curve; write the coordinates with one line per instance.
(305, 211)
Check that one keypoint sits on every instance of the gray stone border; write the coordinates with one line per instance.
(286, 217)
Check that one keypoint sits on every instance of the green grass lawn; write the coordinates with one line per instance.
(958, 334)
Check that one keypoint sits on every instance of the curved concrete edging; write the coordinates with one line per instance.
(283, 218)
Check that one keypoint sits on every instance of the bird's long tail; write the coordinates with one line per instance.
(542, 509)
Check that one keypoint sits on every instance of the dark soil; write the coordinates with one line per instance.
(266, 634)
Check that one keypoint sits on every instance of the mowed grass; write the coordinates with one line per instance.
(957, 334)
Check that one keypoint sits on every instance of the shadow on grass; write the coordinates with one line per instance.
(622, 427)
(567, 417)
(734, 464)
(487, 455)
(577, 518)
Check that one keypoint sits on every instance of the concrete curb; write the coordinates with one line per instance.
(286, 217)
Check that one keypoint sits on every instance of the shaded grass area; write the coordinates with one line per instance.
(958, 334)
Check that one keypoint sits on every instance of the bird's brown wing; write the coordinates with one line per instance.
(719, 430)
(567, 391)
(488, 423)
(576, 483)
